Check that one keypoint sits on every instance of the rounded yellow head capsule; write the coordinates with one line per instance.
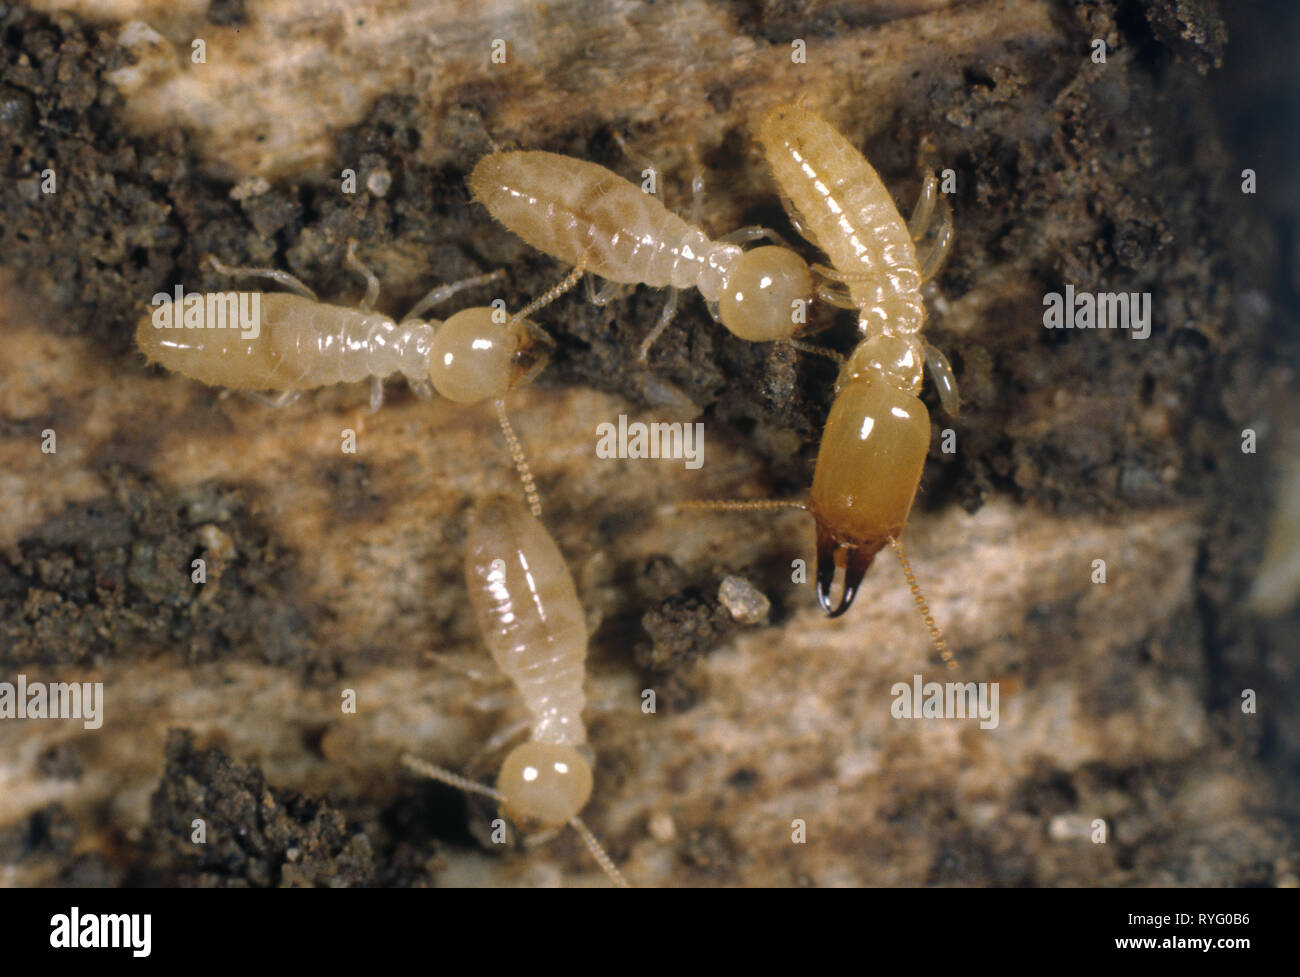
(868, 468)
(758, 300)
(545, 784)
(473, 357)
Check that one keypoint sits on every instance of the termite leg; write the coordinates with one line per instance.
(796, 219)
(605, 294)
(945, 382)
(697, 186)
(933, 261)
(665, 317)
(376, 393)
(353, 263)
(443, 292)
(422, 389)
(837, 296)
(498, 741)
(754, 232)
(282, 399)
(921, 213)
(274, 274)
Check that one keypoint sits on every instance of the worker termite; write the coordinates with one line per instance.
(303, 343)
(837, 200)
(594, 219)
(877, 435)
(527, 609)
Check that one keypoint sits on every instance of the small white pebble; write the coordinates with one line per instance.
(249, 186)
(378, 182)
(1069, 827)
(747, 603)
(662, 828)
(153, 55)
(216, 541)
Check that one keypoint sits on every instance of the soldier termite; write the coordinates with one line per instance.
(527, 609)
(594, 219)
(877, 435)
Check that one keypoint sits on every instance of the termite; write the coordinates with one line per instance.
(595, 220)
(303, 343)
(527, 608)
(877, 435)
(837, 200)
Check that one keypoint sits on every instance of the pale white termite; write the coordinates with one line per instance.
(592, 218)
(527, 609)
(837, 200)
(877, 435)
(302, 343)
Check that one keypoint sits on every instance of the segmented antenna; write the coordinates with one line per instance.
(830, 354)
(451, 779)
(521, 462)
(550, 295)
(935, 634)
(598, 853)
(739, 505)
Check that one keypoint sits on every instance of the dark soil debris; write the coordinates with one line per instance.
(256, 835)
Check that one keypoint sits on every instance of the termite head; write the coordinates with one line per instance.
(545, 784)
(763, 292)
(868, 466)
(480, 354)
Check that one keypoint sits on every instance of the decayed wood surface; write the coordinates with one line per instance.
(1103, 686)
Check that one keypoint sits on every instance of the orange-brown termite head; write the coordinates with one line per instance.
(870, 462)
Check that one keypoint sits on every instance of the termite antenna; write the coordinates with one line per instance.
(450, 779)
(550, 296)
(521, 462)
(830, 354)
(936, 635)
(598, 853)
(739, 505)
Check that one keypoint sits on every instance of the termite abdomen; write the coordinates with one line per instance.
(299, 344)
(527, 608)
